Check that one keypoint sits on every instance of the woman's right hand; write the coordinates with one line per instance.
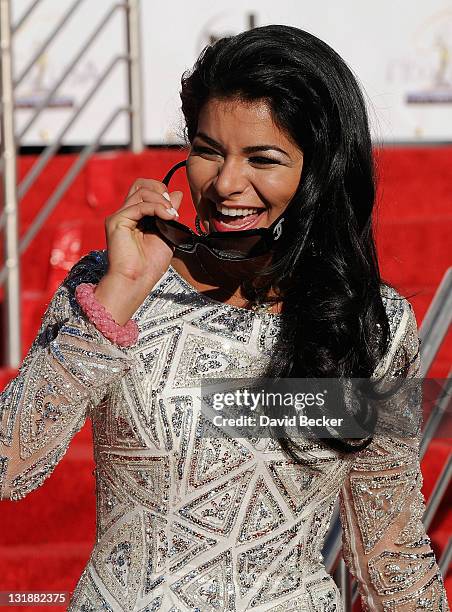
(137, 260)
(133, 254)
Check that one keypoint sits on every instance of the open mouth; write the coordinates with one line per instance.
(235, 219)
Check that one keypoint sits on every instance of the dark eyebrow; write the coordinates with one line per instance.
(254, 149)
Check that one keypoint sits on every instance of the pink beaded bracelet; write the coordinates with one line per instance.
(124, 335)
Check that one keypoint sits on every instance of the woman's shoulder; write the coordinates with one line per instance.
(398, 308)
(89, 269)
(404, 335)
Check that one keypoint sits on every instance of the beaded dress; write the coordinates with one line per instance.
(188, 522)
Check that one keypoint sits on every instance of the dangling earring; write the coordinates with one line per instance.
(198, 226)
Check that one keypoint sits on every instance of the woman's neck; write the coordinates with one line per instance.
(207, 274)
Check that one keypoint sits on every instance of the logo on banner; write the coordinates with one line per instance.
(226, 23)
(433, 43)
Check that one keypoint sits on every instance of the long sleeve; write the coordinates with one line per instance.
(384, 542)
(66, 373)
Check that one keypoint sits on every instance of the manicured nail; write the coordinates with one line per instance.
(166, 196)
(173, 211)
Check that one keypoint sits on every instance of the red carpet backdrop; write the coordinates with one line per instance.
(46, 538)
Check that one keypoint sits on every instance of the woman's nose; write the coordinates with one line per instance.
(231, 179)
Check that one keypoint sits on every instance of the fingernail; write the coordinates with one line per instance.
(173, 211)
(166, 196)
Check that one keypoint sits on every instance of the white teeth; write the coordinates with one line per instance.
(236, 212)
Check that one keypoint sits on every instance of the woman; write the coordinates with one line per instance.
(187, 519)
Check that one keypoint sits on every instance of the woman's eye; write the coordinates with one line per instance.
(204, 150)
(254, 160)
(263, 160)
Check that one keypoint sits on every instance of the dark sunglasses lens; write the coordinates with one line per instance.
(177, 235)
(225, 247)
(229, 247)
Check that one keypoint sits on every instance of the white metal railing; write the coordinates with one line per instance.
(10, 141)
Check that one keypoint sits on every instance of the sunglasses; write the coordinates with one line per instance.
(233, 245)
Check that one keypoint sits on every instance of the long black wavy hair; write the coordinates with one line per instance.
(328, 274)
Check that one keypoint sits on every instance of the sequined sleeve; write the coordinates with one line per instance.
(65, 374)
(385, 545)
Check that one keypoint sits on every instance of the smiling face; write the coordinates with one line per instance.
(243, 170)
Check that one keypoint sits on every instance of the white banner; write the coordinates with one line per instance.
(401, 52)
